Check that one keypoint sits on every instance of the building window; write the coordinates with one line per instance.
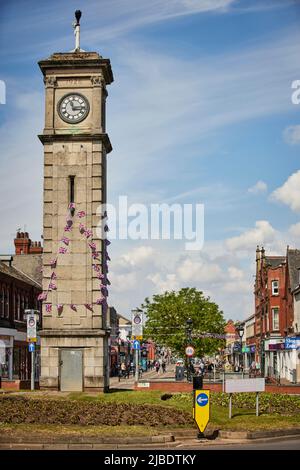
(275, 287)
(275, 318)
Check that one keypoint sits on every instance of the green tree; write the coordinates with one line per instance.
(166, 317)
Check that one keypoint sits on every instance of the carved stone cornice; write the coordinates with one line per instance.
(50, 81)
(76, 137)
(98, 80)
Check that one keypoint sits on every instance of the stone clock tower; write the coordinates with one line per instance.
(73, 337)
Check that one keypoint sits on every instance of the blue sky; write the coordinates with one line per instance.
(200, 112)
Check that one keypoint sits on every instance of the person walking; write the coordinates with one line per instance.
(157, 366)
(123, 369)
(163, 366)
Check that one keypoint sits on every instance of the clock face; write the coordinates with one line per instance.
(73, 108)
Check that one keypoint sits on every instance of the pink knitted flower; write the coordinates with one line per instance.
(69, 221)
(65, 240)
(62, 250)
(88, 233)
(42, 296)
(89, 307)
(81, 214)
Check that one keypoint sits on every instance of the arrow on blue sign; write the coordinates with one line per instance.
(136, 344)
(202, 399)
(31, 347)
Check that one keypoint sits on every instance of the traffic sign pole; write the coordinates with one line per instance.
(136, 365)
(32, 369)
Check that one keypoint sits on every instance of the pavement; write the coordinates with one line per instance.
(128, 384)
(277, 444)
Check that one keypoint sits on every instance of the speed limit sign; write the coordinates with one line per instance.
(189, 351)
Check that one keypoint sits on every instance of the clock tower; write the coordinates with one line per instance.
(73, 336)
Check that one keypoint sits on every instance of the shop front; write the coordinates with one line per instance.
(15, 359)
(249, 355)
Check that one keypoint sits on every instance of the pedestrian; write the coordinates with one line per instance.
(123, 369)
(201, 368)
(157, 366)
(163, 366)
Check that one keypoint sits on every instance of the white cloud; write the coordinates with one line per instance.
(292, 135)
(247, 241)
(139, 255)
(258, 188)
(235, 273)
(197, 271)
(289, 192)
(294, 230)
(123, 282)
(170, 282)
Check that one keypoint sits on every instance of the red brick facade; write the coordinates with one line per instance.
(270, 295)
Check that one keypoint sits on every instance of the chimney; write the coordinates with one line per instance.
(22, 243)
(24, 246)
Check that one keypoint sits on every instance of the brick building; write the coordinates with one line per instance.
(276, 284)
(19, 288)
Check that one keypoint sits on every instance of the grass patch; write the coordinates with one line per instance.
(124, 413)
(49, 430)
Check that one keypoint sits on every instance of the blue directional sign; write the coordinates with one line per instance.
(31, 347)
(201, 408)
(202, 399)
(136, 344)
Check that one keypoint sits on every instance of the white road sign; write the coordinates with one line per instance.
(137, 324)
(189, 351)
(244, 385)
(32, 318)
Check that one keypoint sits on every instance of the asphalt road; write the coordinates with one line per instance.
(280, 444)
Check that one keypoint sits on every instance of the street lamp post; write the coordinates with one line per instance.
(189, 323)
(240, 330)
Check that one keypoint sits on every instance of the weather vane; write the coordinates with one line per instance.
(76, 26)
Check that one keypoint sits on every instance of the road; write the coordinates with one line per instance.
(278, 444)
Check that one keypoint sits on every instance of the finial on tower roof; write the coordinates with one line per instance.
(77, 30)
(78, 16)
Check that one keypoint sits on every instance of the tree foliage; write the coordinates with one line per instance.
(166, 315)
